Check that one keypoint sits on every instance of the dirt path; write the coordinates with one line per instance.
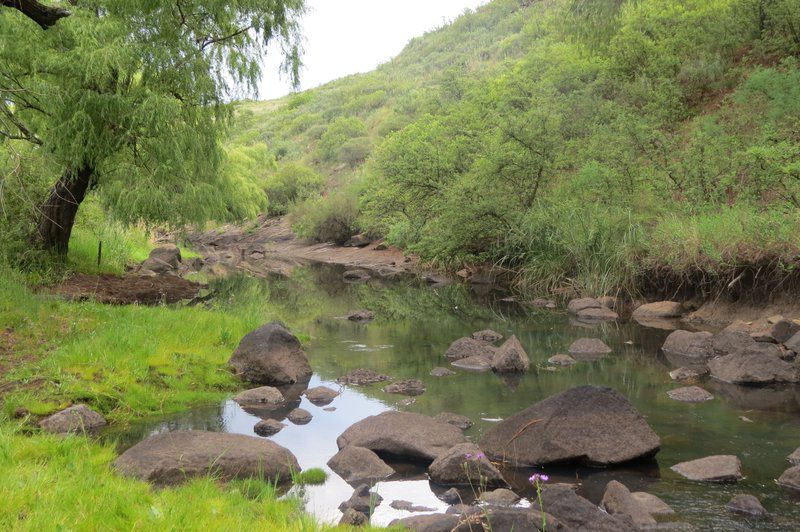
(271, 246)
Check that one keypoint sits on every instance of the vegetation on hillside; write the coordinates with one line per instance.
(593, 146)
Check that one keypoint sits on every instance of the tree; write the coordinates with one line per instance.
(129, 99)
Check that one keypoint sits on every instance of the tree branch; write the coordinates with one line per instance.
(44, 16)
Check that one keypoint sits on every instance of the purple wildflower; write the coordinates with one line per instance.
(538, 477)
(480, 456)
(468, 456)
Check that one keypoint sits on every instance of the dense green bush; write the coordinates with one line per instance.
(338, 133)
(291, 183)
(332, 218)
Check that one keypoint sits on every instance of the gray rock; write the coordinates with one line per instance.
(684, 374)
(576, 513)
(441, 372)
(608, 302)
(321, 395)
(462, 422)
(468, 348)
(75, 419)
(652, 504)
(500, 497)
(362, 377)
(402, 434)
(562, 360)
(451, 496)
(362, 500)
(476, 363)
(499, 519)
(360, 315)
(752, 368)
(747, 504)
(465, 465)
(793, 343)
(584, 424)
(353, 517)
(659, 309)
(356, 464)
(692, 345)
(268, 427)
(408, 506)
(511, 357)
(597, 314)
(780, 330)
(790, 478)
(265, 396)
(162, 259)
(488, 336)
(299, 416)
(577, 305)
(727, 342)
(719, 468)
(270, 355)
(794, 458)
(619, 500)
(170, 458)
(587, 349)
(428, 523)
(690, 394)
(411, 387)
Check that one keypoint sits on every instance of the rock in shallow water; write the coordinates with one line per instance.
(790, 479)
(268, 427)
(265, 396)
(576, 513)
(488, 336)
(321, 395)
(695, 346)
(462, 422)
(719, 468)
(585, 424)
(652, 504)
(410, 387)
(690, 394)
(441, 372)
(476, 363)
(588, 349)
(467, 348)
(361, 315)
(362, 377)
(352, 517)
(752, 368)
(659, 309)
(500, 497)
(511, 357)
(270, 355)
(794, 458)
(300, 416)
(76, 419)
(355, 464)
(619, 500)
(408, 506)
(562, 360)
(464, 465)
(173, 457)
(747, 504)
(402, 434)
(683, 374)
(363, 500)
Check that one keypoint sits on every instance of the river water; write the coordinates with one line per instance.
(413, 327)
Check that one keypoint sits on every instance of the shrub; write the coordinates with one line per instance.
(332, 218)
(291, 183)
(339, 132)
(355, 151)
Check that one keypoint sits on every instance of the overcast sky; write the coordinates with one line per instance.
(343, 37)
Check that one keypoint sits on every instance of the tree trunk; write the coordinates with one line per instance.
(57, 215)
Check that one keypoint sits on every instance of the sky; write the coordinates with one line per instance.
(343, 37)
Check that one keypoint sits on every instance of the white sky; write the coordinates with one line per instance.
(343, 37)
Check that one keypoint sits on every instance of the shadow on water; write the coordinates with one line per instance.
(413, 327)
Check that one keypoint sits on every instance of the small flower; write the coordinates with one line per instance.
(468, 456)
(538, 477)
(480, 456)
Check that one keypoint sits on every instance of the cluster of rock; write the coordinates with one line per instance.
(480, 353)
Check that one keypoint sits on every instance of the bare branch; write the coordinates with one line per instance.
(45, 16)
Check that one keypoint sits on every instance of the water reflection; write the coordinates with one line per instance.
(413, 326)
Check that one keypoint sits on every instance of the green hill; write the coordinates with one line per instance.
(591, 146)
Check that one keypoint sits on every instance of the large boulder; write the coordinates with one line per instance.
(270, 355)
(172, 457)
(790, 479)
(587, 424)
(76, 419)
(511, 357)
(720, 468)
(468, 348)
(659, 309)
(576, 513)
(465, 465)
(402, 434)
(696, 345)
(356, 464)
(748, 367)
(619, 500)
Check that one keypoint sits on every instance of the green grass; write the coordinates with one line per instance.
(55, 483)
(311, 477)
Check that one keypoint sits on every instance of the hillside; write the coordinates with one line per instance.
(647, 146)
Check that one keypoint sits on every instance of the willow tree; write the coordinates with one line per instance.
(129, 99)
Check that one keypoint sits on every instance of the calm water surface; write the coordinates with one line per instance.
(414, 325)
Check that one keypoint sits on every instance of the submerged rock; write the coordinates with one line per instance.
(719, 468)
(410, 387)
(488, 336)
(619, 500)
(270, 355)
(402, 434)
(562, 360)
(462, 422)
(321, 395)
(465, 465)
(468, 348)
(511, 357)
(585, 424)
(356, 464)
(170, 458)
(683, 374)
(76, 419)
(476, 363)
(543, 303)
(362, 377)
(690, 394)
(441, 372)
(747, 504)
(268, 427)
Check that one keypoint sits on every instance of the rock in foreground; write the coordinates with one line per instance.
(586, 424)
(402, 434)
(719, 468)
(270, 355)
(465, 465)
(356, 464)
(172, 457)
(76, 419)
(576, 513)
